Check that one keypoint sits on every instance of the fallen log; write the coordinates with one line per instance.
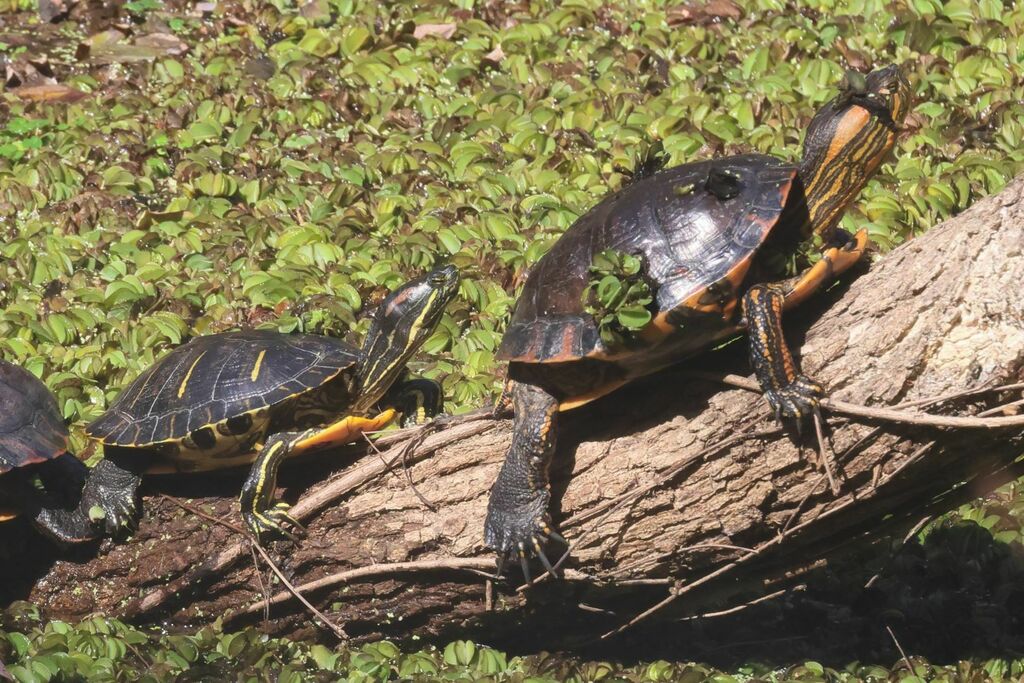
(685, 496)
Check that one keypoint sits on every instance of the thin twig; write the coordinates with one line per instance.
(199, 513)
(474, 565)
(457, 428)
(254, 545)
(740, 608)
(760, 550)
(410, 445)
(263, 588)
(886, 414)
(338, 631)
(826, 459)
(906, 539)
(906, 659)
(609, 507)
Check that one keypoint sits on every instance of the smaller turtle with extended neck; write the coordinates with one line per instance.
(259, 397)
(702, 230)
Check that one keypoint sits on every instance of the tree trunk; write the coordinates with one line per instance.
(682, 489)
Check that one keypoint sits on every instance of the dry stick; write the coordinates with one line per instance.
(906, 539)
(609, 508)
(312, 503)
(338, 631)
(906, 659)
(412, 444)
(724, 569)
(199, 513)
(885, 414)
(254, 545)
(640, 566)
(878, 430)
(826, 460)
(740, 608)
(964, 393)
(477, 566)
(263, 588)
(474, 565)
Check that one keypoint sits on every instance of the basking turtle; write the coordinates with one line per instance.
(705, 232)
(34, 444)
(259, 396)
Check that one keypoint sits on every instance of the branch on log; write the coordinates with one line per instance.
(685, 497)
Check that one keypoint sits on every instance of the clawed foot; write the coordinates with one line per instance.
(109, 499)
(522, 532)
(797, 400)
(273, 523)
(119, 514)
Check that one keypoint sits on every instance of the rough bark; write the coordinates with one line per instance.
(651, 506)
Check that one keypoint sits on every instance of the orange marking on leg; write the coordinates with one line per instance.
(833, 262)
(345, 431)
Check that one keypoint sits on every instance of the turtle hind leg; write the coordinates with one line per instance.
(518, 522)
(263, 517)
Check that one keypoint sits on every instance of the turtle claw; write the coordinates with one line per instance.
(274, 522)
(524, 563)
(796, 400)
(544, 560)
(523, 540)
(112, 490)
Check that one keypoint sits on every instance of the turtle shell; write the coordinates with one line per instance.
(216, 378)
(696, 245)
(31, 427)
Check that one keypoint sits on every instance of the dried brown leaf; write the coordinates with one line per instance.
(704, 13)
(445, 31)
(49, 92)
(165, 42)
(495, 55)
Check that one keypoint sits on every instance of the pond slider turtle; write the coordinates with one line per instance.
(709, 235)
(34, 445)
(259, 396)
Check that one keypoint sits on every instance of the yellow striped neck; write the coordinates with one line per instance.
(838, 162)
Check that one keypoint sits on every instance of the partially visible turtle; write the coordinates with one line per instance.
(235, 398)
(704, 231)
(34, 445)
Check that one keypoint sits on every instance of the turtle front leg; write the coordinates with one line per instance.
(107, 504)
(518, 520)
(789, 393)
(64, 478)
(418, 400)
(262, 516)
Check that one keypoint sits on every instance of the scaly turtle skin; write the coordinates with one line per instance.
(258, 397)
(34, 443)
(706, 232)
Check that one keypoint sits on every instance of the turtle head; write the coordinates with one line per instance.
(848, 139)
(401, 324)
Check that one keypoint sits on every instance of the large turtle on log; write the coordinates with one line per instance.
(703, 231)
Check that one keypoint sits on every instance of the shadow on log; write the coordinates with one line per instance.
(683, 491)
